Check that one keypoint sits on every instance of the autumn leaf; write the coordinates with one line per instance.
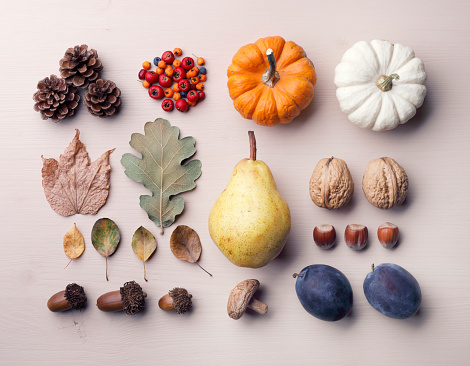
(160, 169)
(105, 237)
(186, 245)
(143, 245)
(73, 184)
(74, 244)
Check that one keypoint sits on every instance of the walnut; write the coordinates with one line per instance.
(385, 183)
(331, 184)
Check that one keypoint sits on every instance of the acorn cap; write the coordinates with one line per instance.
(75, 295)
(181, 300)
(132, 297)
(240, 297)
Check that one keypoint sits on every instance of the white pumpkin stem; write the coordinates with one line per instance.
(384, 83)
(271, 76)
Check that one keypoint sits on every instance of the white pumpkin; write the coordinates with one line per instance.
(380, 84)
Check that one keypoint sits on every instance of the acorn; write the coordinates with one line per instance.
(130, 298)
(73, 297)
(178, 300)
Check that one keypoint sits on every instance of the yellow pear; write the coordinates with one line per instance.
(250, 221)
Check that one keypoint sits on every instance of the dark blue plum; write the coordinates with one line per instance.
(392, 291)
(324, 292)
(156, 60)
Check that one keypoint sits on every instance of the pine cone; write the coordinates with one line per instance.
(55, 99)
(102, 99)
(80, 66)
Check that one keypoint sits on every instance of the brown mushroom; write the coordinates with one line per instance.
(241, 298)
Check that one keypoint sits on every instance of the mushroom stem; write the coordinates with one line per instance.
(258, 306)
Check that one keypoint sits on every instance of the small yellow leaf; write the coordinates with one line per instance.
(74, 244)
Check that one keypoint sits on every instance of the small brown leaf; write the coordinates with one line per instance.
(74, 184)
(186, 245)
(74, 243)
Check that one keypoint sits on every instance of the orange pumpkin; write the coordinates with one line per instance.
(271, 81)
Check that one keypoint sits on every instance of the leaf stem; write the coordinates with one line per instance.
(70, 261)
(107, 268)
(203, 269)
(251, 135)
(145, 275)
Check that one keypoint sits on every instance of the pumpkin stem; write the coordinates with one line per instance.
(384, 83)
(271, 76)
(251, 135)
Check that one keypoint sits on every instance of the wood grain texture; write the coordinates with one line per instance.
(433, 148)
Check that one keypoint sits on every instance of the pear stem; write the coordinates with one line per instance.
(251, 135)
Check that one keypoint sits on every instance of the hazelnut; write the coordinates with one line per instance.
(331, 185)
(324, 236)
(356, 236)
(388, 235)
(385, 183)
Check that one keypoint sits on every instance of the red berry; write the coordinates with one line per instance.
(178, 74)
(165, 80)
(156, 92)
(201, 95)
(168, 57)
(193, 86)
(151, 77)
(182, 105)
(142, 74)
(187, 63)
(184, 85)
(168, 105)
(192, 96)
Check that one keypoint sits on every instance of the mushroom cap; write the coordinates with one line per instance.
(132, 297)
(240, 297)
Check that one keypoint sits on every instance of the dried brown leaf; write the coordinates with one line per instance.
(74, 243)
(186, 245)
(74, 184)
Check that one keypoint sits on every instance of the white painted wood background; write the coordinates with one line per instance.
(433, 148)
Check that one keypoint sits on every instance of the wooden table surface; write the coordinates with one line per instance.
(433, 148)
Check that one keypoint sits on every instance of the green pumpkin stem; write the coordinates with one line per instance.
(384, 83)
(271, 76)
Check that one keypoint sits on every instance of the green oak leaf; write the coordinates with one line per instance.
(160, 169)
(105, 237)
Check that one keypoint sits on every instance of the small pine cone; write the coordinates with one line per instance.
(80, 66)
(102, 99)
(55, 99)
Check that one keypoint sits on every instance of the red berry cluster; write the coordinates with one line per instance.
(180, 81)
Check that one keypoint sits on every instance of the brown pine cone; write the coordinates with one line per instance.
(102, 99)
(80, 66)
(55, 99)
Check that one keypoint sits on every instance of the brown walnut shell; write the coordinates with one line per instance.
(385, 183)
(331, 185)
